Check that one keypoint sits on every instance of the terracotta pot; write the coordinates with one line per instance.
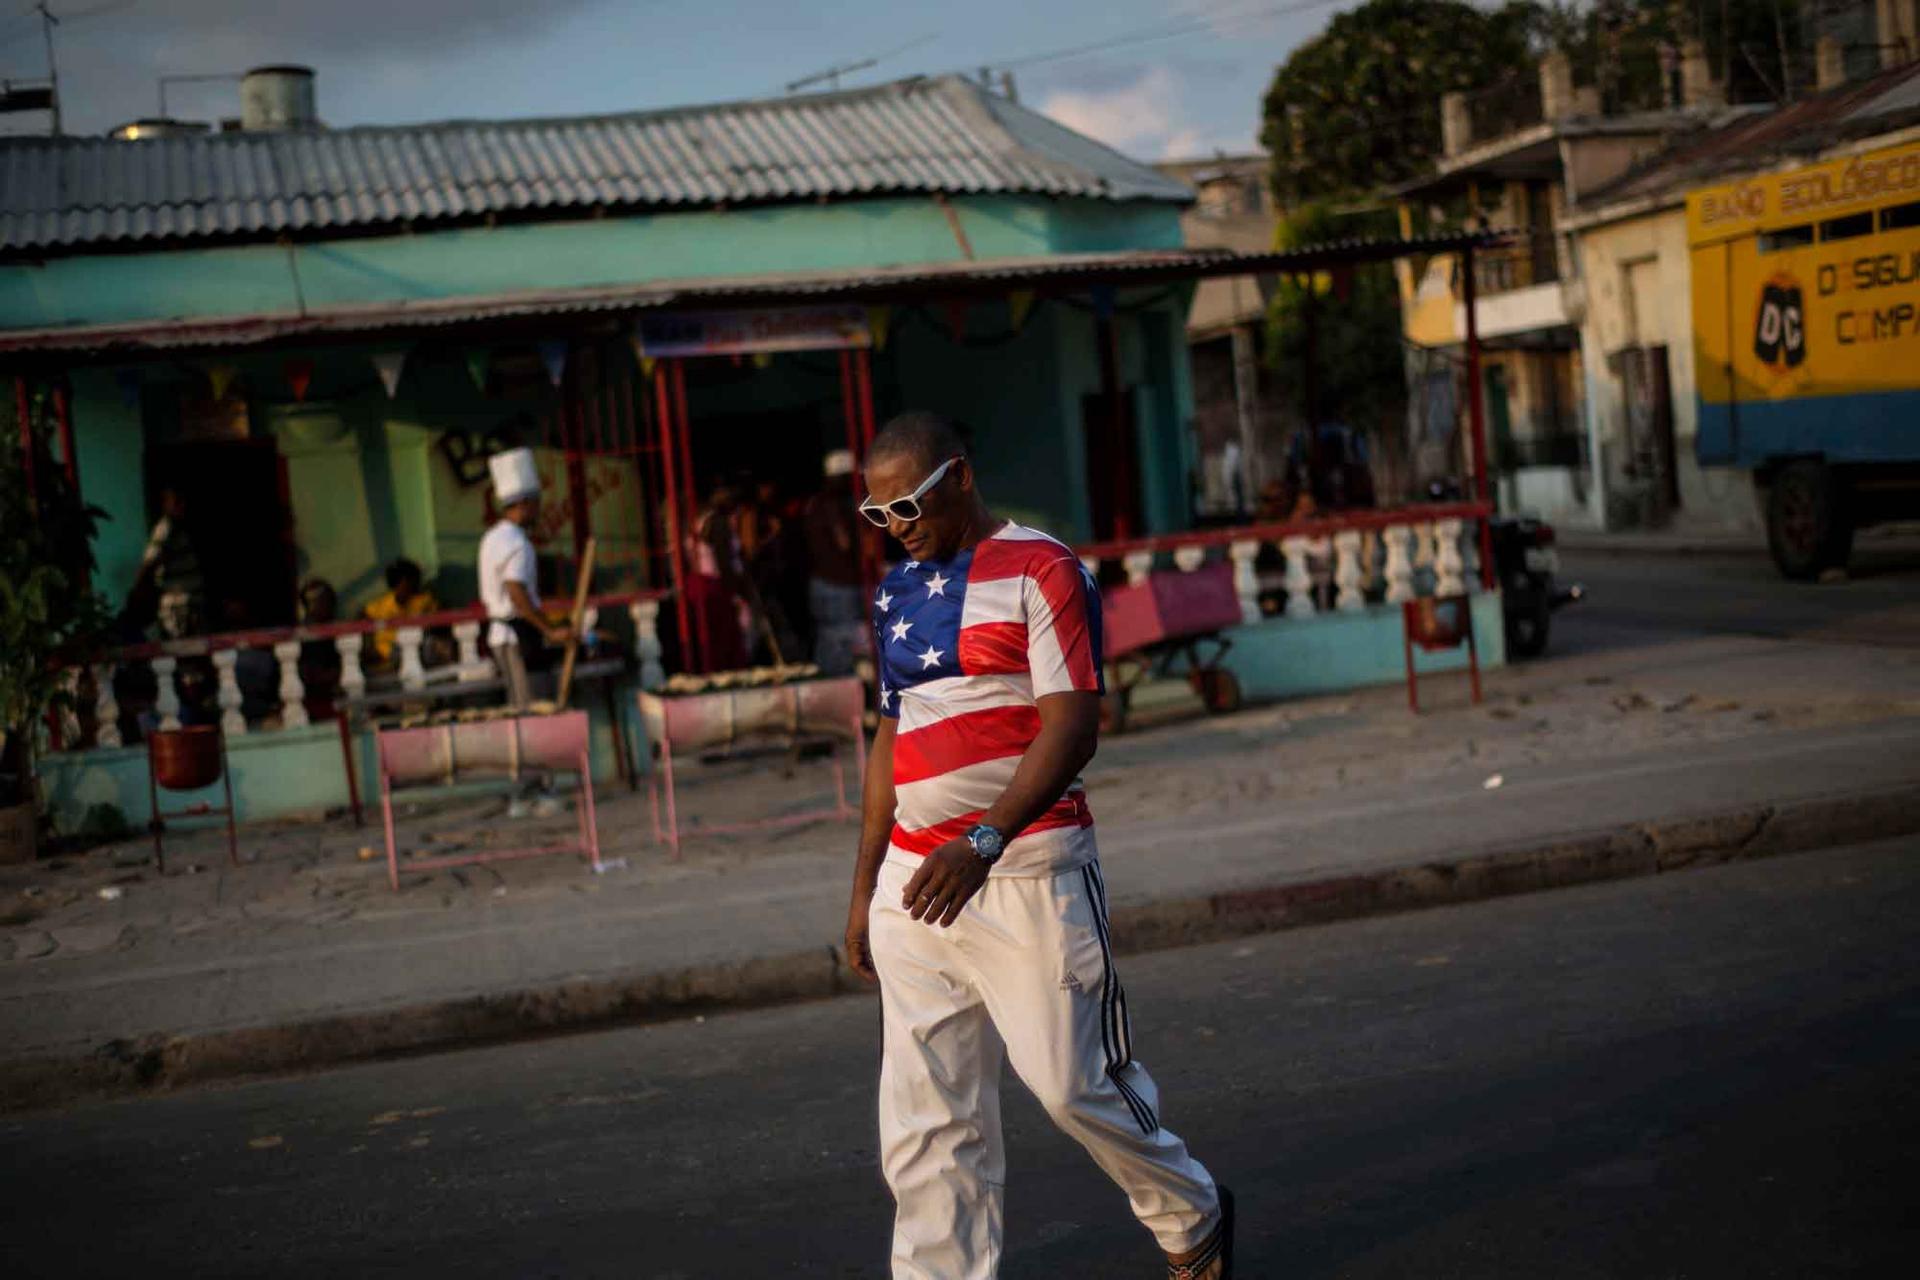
(1439, 623)
(186, 759)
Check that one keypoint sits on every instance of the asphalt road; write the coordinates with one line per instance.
(1699, 1075)
(1637, 598)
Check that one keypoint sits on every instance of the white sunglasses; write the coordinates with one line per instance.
(906, 510)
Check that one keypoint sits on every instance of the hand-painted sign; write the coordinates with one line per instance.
(720, 333)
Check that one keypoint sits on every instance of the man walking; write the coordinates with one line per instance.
(978, 900)
(518, 630)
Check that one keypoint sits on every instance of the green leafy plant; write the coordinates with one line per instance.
(49, 616)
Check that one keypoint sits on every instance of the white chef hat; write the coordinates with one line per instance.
(837, 463)
(515, 478)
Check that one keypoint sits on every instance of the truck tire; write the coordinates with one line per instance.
(1809, 529)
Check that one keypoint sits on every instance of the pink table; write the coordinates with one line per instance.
(504, 745)
(830, 708)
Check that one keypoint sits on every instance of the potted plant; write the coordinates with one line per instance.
(49, 619)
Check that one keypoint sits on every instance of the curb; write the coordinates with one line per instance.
(160, 1061)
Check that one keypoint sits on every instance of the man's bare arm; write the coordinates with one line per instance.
(524, 608)
(876, 826)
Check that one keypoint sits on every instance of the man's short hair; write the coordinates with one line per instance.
(929, 437)
(404, 570)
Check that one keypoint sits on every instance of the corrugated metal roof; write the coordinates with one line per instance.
(1754, 140)
(944, 135)
(1055, 273)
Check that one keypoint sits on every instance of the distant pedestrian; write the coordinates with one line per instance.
(833, 568)
(978, 900)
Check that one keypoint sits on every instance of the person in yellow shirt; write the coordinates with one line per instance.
(405, 598)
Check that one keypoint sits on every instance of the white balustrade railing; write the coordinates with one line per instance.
(1374, 560)
(257, 682)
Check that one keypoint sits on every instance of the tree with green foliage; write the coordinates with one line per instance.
(1357, 107)
(1347, 321)
(49, 616)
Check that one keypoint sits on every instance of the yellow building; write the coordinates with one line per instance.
(1521, 164)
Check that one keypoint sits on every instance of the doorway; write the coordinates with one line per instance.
(240, 517)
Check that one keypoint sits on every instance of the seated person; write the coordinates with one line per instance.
(319, 658)
(405, 598)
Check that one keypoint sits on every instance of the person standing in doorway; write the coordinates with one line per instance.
(833, 568)
(518, 632)
(978, 900)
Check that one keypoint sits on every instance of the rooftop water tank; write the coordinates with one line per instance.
(277, 98)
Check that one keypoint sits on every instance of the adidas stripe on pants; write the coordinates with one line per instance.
(1024, 975)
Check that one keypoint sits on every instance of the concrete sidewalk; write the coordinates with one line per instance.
(1331, 806)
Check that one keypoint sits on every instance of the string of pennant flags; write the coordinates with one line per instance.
(758, 337)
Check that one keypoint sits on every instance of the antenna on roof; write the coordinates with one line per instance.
(834, 73)
(48, 21)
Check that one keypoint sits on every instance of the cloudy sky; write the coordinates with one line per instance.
(1172, 77)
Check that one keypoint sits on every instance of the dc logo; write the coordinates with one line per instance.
(1780, 326)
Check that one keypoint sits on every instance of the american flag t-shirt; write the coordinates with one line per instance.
(966, 648)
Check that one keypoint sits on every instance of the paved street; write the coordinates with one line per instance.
(1639, 598)
(1700, 1075)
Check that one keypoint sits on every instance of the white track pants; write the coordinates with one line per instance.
(1025, 973)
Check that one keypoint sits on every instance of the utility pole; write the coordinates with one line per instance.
(47, 23)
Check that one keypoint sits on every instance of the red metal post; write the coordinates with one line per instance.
(871, 569)
(850, 406)
(23, 409)
(692, 505)
(1477, 417)
(675, 519)
(63, 418)
(863, 371)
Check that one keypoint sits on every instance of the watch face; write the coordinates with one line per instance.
(986, 841)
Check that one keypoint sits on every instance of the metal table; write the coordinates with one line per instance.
(603, 672)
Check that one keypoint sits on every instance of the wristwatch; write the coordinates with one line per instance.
(987, 842)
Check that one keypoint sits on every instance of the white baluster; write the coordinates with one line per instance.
(1138, 565)
(408, 640)
(232, 722)
(353, 680)
(1320, 568)
(106, 708)
(166, 698)
(1246, 583)
(1423, 558)
(1399, 566)
(70, 709)
(472, 665)
(589, 619)
(1448, 579)
(646, 642)
(1187, 559)
(1470, 555)
(1347, 579)
(1299, 583)
(293, 694)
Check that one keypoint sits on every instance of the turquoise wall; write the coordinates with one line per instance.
(271, 279)
(279, 773)
(110, 447)
(1290, 658)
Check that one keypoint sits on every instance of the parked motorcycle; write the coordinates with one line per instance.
(1526, 562)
